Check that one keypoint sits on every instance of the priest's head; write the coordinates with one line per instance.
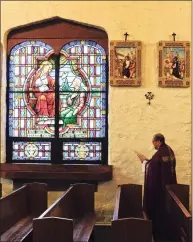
(158, 140)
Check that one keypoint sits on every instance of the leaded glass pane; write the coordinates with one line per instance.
(85, 60)
(82, 85)
(31, 151)
(24, 121)
(82, 115)
(32, 86)
(87, 151)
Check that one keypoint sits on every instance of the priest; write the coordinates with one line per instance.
(159, 171)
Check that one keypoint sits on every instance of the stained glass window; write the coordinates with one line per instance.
(82, 151)
(31, 151)
(57, 102)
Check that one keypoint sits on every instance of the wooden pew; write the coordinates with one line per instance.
(177, 206)
(130, 223)
(0, 190)
(70, 218)
(18, 209)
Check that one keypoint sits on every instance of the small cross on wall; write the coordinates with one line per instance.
(174, 36)
(126, 34)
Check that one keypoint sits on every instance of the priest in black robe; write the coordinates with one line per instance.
(159, 171)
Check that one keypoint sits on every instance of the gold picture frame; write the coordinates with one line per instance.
(174, 64)
(125, 63)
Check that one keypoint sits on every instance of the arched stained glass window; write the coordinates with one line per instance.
(57, 102)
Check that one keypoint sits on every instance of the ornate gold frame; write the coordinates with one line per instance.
(121, 81)
(172, 82)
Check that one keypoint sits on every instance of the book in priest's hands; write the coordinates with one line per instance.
(140, 156)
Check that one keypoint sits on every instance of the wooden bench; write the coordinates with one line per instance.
(70, 218)
(0, 190)
(130, 223)
(18, 209)
(177, 206)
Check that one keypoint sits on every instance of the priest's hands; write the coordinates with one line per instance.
(140, 156)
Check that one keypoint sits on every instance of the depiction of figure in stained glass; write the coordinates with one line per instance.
(82, 86)
(73, 102)
(43, 86)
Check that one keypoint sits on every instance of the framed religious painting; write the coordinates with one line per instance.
(125, 63)
(174, 64)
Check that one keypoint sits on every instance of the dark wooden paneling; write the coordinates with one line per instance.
(76, 203)
(63, 172)
(13, 207)
(52, 185)
(19, 232)
(84, 194)
(37, 198)
(131, 230)
(180, 217)
(129, 223)
(60, 31)
(18, 209)
(182, 192)
(47, 229)
(0, 190)
(131, 201)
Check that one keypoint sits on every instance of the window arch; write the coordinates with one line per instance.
(57, 97)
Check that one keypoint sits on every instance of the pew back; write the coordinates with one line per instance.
(19, 208)
(51, 229)
(182, 192)
(129, 223)
(128, 201)
(74, 203)
(70, 218)
(0, 190)
(132, 230)
(181, 217)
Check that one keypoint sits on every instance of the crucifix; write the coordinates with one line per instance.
(126, 34)
(174, 36)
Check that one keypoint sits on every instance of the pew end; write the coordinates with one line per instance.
(182, 191)
(132, 230)
(0, 190)
(181, 219)
(49, 229)
(18, 210)
(130, 223)
(128, 201)
(84, 194)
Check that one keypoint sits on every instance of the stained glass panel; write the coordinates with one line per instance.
(87, 151)
(23, 118)
(85, 60)
(82, 115)
(82, 81)
(31, 151)
(31, 86)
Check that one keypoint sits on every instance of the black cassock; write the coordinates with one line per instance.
(159, 171)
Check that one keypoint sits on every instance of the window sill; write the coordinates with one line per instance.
(95, 173)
